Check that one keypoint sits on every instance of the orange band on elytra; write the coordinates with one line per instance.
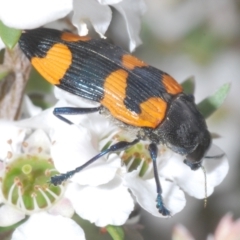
(55, 64)
(130, 62)
(70, 37)
(171, 85)
(152, 111)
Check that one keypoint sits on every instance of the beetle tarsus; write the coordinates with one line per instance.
(160, 206)
(57, 179)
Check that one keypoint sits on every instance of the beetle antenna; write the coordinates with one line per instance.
(215, 156)
(205, 186)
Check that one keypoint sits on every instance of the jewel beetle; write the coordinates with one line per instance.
(131, 91)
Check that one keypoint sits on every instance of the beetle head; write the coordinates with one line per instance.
(184, 130)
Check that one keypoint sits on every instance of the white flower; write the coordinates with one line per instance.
(145, 192)
(26, 14)
(96, 192)
(193, 182)
(25, 168)
(45, 226)
(100, 15)
(176, 177)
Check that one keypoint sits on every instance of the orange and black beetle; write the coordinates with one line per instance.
(133, 92)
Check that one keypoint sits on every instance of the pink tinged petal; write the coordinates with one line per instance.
(228, 228)
(224, 227)
(63, 207)
(145, 193)
(37, 142)
(10, 216)
(78, 142)
(132, 12)
(99, 15)
(48, 227)
(9, 131)
(181, 233)
(27, 14)
(193, 182)
(110, 203)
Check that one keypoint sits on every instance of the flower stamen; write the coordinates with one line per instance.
(24, 184)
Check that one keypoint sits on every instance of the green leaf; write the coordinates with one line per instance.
(189, 85)
(9, 35)
(116, 232)
(210, 104)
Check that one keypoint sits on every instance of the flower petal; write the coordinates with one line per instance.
(181, 233)
(108, 2)
(45, 120)
(110, 203)
(99, 15)
(63, 208)
(45, 226)
(9, 131)
(37, 141)
(10, 216)
(193, 182)
(80, 149)
(27, 14)
(224, 227)
(131, 12)
(145, 193)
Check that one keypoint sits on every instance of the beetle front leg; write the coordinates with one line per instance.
(153, 150)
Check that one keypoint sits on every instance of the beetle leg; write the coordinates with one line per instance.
(58, 179)
(153, 150)
(58, 112)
